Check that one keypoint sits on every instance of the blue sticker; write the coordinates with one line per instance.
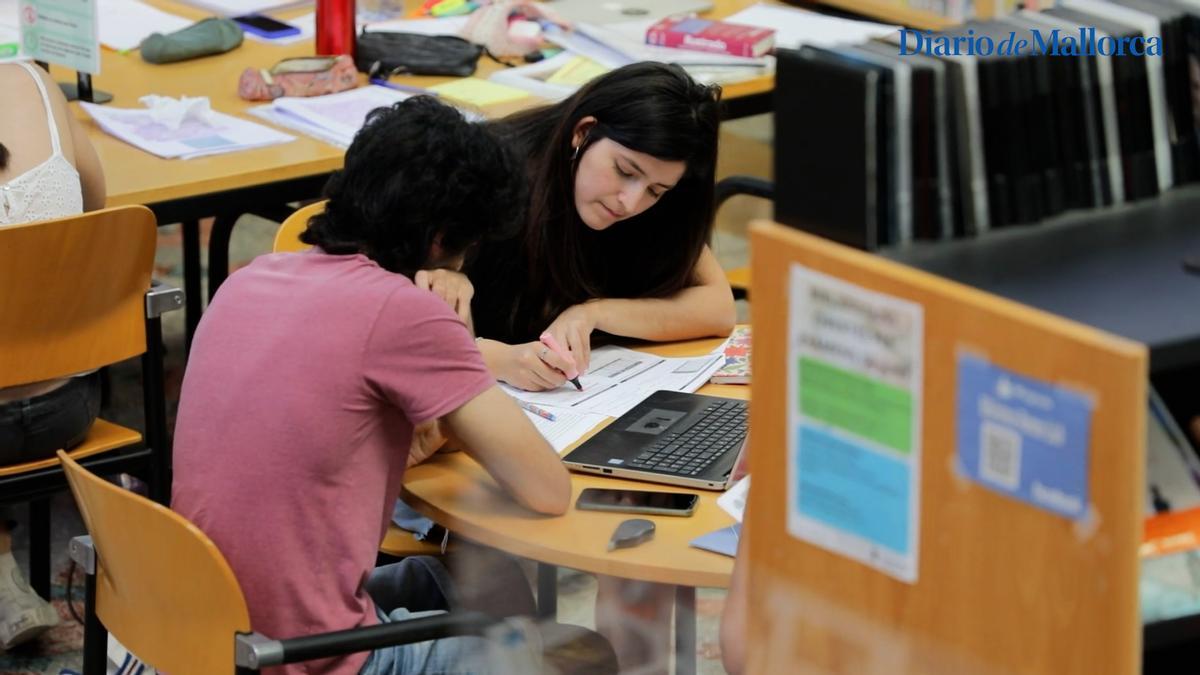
(1024, 437)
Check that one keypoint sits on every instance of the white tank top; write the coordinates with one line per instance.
(50, 189)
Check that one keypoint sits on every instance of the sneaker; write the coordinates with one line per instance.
(23, 615)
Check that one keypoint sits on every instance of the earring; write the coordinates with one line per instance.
(575, 155)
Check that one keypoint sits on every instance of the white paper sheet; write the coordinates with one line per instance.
(568, 425)
(733, 501)
(333, 118)
(450, 25)
(125, 23)
(193, 138)
(794, 27)
(240, 7)
(10, 35)
(620, 378)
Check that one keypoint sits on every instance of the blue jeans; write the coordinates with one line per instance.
(420, 586)
(34, 428)
(416, 587)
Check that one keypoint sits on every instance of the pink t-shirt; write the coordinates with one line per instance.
(305, 380)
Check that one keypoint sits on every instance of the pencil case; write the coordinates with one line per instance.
(382, 54)
(203, 38)
(301, 76)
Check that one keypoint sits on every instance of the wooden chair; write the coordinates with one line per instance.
(77, 295)
(287, 238)
(739, 278)
(162, 588)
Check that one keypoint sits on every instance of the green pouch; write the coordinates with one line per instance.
(210, 36)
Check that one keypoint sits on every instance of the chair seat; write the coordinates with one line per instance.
(401, 543)
(739, 278)
(102, 437)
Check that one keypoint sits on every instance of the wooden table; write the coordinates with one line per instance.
(454, 491)
(263, 180)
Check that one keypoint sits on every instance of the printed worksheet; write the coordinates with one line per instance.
(618, 379)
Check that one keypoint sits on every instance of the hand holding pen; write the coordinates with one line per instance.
(572, 371)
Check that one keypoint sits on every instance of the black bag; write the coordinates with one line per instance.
(381, 54)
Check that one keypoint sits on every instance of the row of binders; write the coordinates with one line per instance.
(877, 148)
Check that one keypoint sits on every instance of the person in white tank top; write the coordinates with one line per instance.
(48, 169)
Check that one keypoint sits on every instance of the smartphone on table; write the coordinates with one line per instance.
(266, 27)
(637, 501)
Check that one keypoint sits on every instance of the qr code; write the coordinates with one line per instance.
(999, 455)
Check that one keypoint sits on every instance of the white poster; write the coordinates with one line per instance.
(855, 360)
(64, 32)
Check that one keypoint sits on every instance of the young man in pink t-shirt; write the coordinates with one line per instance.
(310, 371)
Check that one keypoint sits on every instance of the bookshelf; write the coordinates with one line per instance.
(901, 13)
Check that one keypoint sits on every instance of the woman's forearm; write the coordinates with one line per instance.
(699, 311)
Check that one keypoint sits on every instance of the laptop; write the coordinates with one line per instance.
(671, 437)
(600, 12)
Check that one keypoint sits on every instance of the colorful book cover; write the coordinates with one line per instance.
(736, 369)
(704, 35)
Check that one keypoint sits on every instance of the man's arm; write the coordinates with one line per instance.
(492, 429)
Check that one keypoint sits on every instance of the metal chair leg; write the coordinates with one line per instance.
(191, 280)
(547, 594)
(685, 630)
(39, 546)
(95, 635)
(218, 252)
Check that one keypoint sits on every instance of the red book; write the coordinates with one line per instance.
(704, 35)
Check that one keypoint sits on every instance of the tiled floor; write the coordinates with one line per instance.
(745, 149)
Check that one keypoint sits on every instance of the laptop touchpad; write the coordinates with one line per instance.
(656, 421)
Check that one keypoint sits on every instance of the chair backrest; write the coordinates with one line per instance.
(162, 588)
(72, 293)
(287, 238)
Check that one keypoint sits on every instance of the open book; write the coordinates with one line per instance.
(333, 118)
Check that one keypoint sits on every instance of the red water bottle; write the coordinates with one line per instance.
(335, 27)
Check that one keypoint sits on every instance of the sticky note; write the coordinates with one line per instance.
(578, 71)
(477, 92)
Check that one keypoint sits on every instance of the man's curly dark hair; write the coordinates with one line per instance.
(417, 174)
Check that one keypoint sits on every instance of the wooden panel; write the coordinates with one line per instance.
(164, 590)
(72, 293)
(1003, 587)
(454, 491)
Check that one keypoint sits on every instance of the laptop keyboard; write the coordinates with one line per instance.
(688, 453)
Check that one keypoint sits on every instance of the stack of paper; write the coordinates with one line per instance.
(10, 36)
(794, 27)
(241, 7)
(450, 25)
(218, 133)
(125, 23)
(333, 118)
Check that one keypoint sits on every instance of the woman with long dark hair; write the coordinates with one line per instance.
(616, 231)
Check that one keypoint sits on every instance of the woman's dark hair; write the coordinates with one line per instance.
(417, 173)
(3, 157)
(558, 261)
